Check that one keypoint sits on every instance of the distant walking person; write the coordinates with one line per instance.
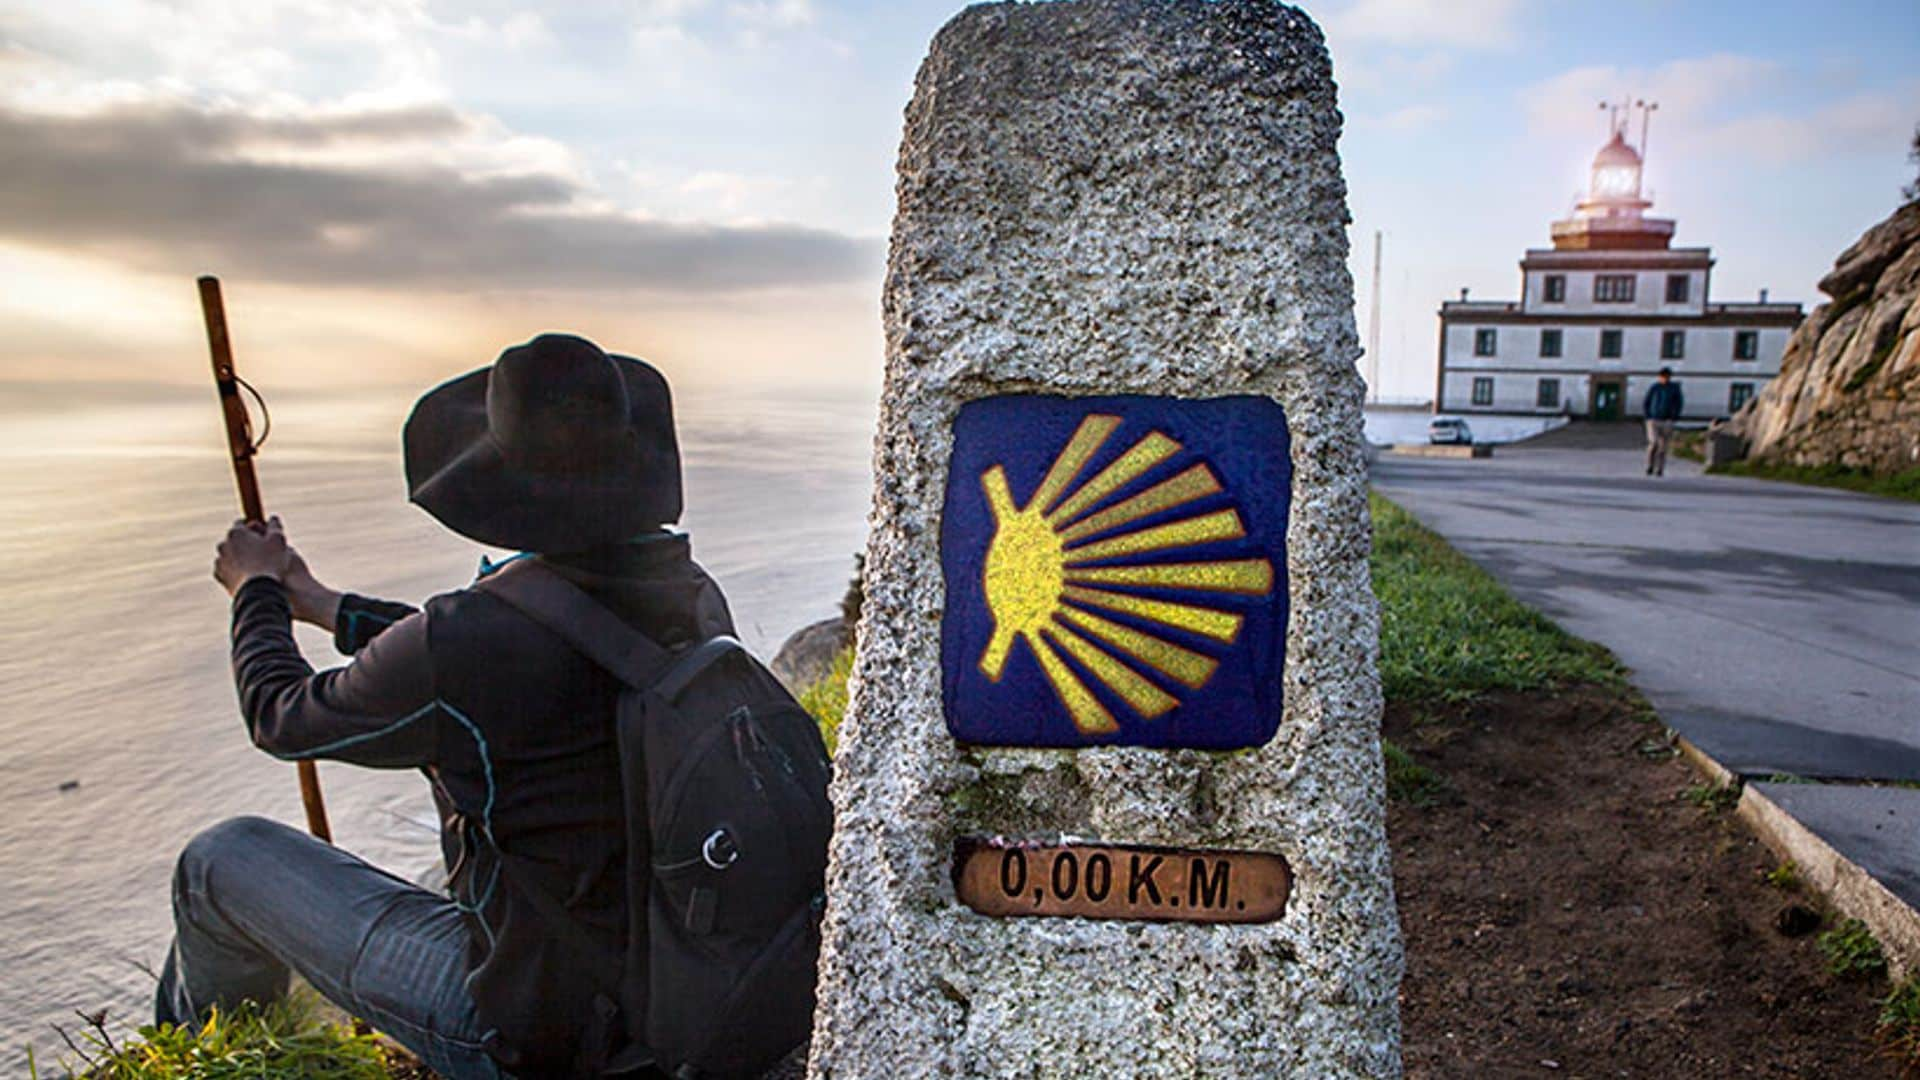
(1662, 407)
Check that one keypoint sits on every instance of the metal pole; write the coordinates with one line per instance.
(1373, 326)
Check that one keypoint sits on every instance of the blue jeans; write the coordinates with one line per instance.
(254, 900)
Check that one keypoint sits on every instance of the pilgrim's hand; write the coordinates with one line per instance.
(311, 601)
(251, 551)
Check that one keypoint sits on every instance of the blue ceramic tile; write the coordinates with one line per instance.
(1115, 571)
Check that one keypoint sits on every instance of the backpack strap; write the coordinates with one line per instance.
(543, 595)
(539, 592)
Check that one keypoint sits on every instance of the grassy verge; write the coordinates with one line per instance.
(1900, 485)
(1449, 631)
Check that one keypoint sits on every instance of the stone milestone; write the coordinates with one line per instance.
(1109, 793)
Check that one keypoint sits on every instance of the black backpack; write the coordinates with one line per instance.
(725, 779)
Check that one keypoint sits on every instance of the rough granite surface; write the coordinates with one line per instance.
(1848, 392)
(1116, 196)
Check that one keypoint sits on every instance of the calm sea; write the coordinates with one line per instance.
(113, 657)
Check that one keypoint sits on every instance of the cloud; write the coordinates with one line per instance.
(520, 30)
(1709, 107)
(256, 50)
(676, 36)
(1694, 90)
(733, 194)
(1372, 71)
(1877, 122)
(1470, 24)
(667, 10)
(774, 14)
(185, 189)
(1411, 118)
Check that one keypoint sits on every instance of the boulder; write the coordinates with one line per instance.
(1848, 392)
(808, 654)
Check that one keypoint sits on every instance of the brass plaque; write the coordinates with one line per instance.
(1102, 881)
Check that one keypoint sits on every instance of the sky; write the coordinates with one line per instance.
(393, 190)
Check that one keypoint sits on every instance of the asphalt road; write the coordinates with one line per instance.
(1776, 626)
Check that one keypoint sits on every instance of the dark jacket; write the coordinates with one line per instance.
(513, 730)
(1664, 401)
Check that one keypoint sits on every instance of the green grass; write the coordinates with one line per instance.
(826, 700)
(1449, 631)
(1714, 797)
(1852, 952)
(1900, 485)
(1785, 877)
(284, 1041)
(1409, 781)
(1899, 1029)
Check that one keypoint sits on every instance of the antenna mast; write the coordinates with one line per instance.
(1646, 117)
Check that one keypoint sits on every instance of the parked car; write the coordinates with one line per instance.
(1449, 430)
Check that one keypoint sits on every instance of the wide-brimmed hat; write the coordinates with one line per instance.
(556, 447)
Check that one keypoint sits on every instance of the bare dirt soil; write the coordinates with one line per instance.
(1570, 911)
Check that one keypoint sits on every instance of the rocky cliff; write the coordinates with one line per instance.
(1848, 392)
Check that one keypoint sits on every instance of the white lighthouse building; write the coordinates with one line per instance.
(1602, 311)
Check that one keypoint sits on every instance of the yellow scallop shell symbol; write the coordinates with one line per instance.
(1043, 588)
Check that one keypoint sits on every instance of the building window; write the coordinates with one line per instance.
(1673, 344)
(1738, 394)
(1483, 391)
(1556, 288)
(1746, 345)
(1610, 344)
(1549, 343)
(1677, 288)
(1549, 396)
(1613, 288)
(1485, 342)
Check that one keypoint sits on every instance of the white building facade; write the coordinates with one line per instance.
(1601, 312)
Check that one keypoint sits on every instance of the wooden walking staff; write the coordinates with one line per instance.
(241, 446)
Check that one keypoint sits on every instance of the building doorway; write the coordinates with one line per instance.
(1608, 397)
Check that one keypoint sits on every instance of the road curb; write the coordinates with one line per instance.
(1842, 882)
(1851, 890)
(1715, 772)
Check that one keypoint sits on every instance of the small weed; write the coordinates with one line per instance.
(1787, 778)
(1409, 781)
(1899, 1029)
(1717, 798)
(280, 1040)
(1852, 952)
(1660, 747)
(1785, 877)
